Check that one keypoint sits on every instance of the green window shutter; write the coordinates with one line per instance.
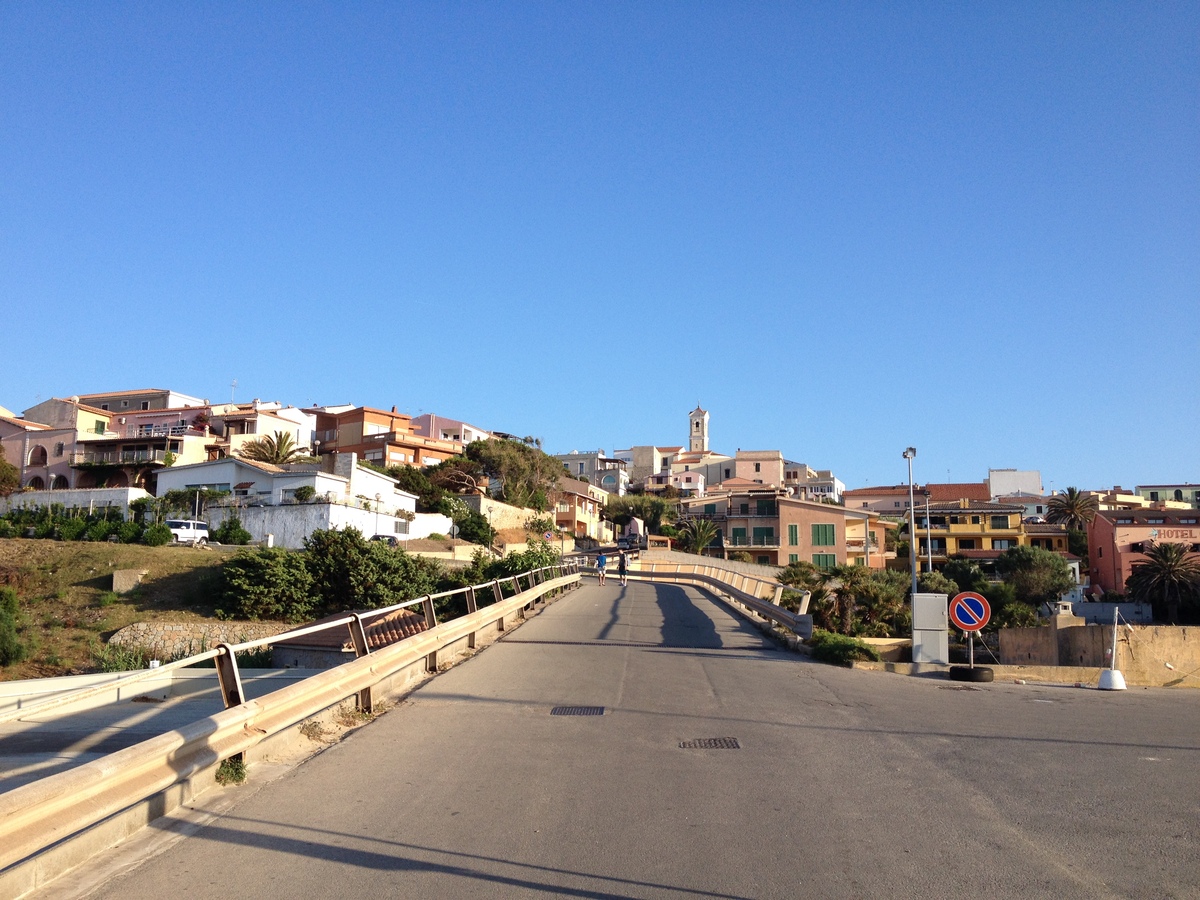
(738, 537)
(824, 560)
(710, 509)
(793, 558)
(793, 536)
(823, 535)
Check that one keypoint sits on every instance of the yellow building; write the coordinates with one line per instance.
(953, 528)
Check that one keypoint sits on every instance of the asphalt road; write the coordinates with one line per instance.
(844, 784)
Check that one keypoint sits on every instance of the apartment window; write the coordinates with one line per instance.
(766, 507)
(793, 558)
(1187, 521)
(1000, 521)
(687, 468)
(966, 544)
(745, 508)
(764, 560)
(1124, 521)
(1154, 495)
(896, 504)
(1099, 552)
(864, 506)
(764, 537)
(145, 404)
(1158, 521)
(822, 535)
(580, 468)
(401, 527)
(104, 406)
(59, 448)
(793, 535)
(125, 404)
(1002, 544)
(710, 509)
(99, 426)
(758, 467)
(737, 537)
(726, 473)
(824, 560)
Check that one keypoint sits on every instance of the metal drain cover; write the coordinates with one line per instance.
(577, 711)
(711, 744)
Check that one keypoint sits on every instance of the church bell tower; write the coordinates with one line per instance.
(698, 430)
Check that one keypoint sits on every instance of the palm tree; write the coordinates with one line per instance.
(1073, 509)
(1169, 574)
(700, 533)
(277, 449)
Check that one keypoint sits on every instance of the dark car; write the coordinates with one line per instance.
(387, 539)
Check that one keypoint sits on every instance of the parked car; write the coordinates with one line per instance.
(188, 531)
(388, 539)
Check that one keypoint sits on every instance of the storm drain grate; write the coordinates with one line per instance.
(711, 744)
(577, 711)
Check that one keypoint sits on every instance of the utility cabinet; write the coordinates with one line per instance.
(931, 623)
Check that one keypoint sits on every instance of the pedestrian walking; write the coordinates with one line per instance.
(601, 562)
(621, 572)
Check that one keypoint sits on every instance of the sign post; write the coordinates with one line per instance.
(970, 612)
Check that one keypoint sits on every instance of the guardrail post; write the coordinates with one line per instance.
(778, 594)
(229, 677)
(358, 636)
(499, 595)
(471, 607)
(430, 623)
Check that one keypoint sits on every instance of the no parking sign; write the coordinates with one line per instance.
(970, 611)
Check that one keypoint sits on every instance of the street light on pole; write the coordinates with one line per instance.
(909, 453)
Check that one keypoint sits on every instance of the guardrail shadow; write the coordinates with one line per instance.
(398, 856)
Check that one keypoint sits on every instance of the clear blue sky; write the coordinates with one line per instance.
(842, 228)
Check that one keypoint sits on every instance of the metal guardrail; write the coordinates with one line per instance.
(37, 815)
(745, 589)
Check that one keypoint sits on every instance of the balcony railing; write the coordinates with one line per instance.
(753, 540)
(118, 457)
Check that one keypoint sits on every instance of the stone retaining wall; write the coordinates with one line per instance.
(172, 640)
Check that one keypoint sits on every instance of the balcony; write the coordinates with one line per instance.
(116, 457)
(754, 540)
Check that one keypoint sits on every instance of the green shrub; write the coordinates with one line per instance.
(11, 648)
(99, 531)
(44, 529)
(231, 532)
(350, 572)
(72, 529)
(115, 658)
(7, 529)
(839, 649)
(304, 493)
(231, 771)
(267, 584)
(129, 532)
(157, 535)
(106, 598)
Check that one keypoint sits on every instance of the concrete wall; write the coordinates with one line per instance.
(501, 514)
(1143, 652)
(291, 524)
(768, 573)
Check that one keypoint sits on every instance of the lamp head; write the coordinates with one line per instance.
(909, 452)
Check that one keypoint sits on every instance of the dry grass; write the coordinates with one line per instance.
(67, 608)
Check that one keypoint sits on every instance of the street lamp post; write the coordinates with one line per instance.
(928, 532)
(909, 453)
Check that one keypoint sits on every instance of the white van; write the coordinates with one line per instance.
(188, 531)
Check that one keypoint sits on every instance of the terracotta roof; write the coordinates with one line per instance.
(381, 631)
(876, 491)
(971, 490)
(126, 393)
(26, 424)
